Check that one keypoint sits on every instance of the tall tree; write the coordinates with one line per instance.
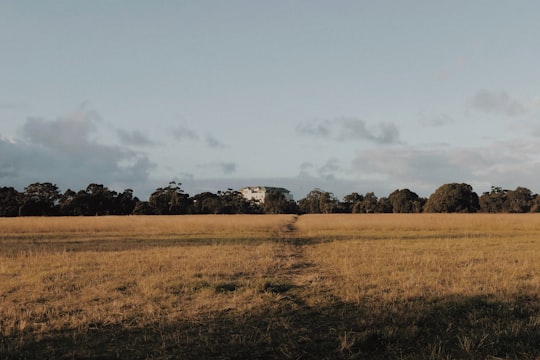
(519, 200)
(124, 203)
(206, 203)
(346, 206)
(169, 200)
(494, 201)
(318, 201)
(405, 201)
(10, 200)
(40, 199)
(233, 202)
(276, 203)
(368, 204)
(100, 200)
(452, 198)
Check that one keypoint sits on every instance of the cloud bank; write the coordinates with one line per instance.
(64, 151)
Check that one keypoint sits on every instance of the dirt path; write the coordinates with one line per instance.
(299, 275)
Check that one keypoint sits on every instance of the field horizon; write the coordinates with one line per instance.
(370, 286)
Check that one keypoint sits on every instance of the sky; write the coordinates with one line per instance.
(345, 96)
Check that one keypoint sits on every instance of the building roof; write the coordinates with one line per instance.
(267, 188)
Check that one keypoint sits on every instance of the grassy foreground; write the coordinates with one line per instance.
(311, 287)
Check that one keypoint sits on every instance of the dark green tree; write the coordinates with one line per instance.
(276, 203)
(453, 198)
(346, 206)
(368, 204)
(206, 203)
(10, 200)
(70, 203)
(384, 205)
(40, 199)
(124, 203)
(143, 208)
(100, 200)
(494, 201)
(405, 201)
(233, 202)
(318, 201)
(519, 200)
(169, 200)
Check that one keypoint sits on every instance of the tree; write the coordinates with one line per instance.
(276, 203)
(367, 205)
(100, 200)
(169, 200)
(70, 203)
(143, 208)
(124, 203)
(40, 199)
(233, 202)
(535, 207)
(346, 206)
(384, 205)
(10, 200)
(405, 201)
(205, 203)
(318, 201)
(494, 201)
(452, 198)
(519, 200)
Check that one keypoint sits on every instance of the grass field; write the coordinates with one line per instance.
(421, 286)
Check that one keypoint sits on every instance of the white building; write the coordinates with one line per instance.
(258, 193)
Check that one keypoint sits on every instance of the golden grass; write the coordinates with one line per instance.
(126, 232)
(426, 286)
(414, 226)
(76, 290)
(394, 257)
(476, 277)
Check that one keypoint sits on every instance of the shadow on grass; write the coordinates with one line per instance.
(442, 328)
(17, 246)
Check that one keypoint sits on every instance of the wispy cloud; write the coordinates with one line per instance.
(497, 103)
(226, 168)
(436, 120)
(184, 133)
(350, 129)
(134, 137)
(213, 142)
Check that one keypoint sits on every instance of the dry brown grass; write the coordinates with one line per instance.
(338, 286)
(127, 232)
(476, 277)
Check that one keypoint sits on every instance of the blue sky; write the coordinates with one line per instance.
(341, 95)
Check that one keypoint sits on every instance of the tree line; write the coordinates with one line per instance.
(45, 199)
